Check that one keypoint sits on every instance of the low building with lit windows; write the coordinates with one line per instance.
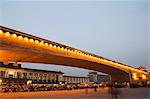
(10, 74)
(75, 79)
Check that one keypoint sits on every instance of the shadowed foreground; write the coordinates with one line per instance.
(102, 93)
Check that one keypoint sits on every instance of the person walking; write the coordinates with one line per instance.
(115, 93)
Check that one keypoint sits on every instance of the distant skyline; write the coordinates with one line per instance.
(118, 30)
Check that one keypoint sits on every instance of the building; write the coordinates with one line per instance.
(11, 74)
(103, 78)
(98, 78)
(75, 79)
(93, 76)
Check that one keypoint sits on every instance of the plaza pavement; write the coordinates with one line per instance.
(102, 93)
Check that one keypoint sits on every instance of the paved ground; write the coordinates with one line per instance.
(102, 93)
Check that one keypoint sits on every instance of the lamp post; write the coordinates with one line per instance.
(0, 81)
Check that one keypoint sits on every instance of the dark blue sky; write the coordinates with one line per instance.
(114, 29)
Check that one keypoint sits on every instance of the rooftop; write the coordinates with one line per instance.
(10, 65)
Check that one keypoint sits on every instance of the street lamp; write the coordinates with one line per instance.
(60, 82)
(29, 82)
(0, 81)
(143, 77)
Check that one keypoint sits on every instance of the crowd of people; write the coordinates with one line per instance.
(26, 88)
(14, 88)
